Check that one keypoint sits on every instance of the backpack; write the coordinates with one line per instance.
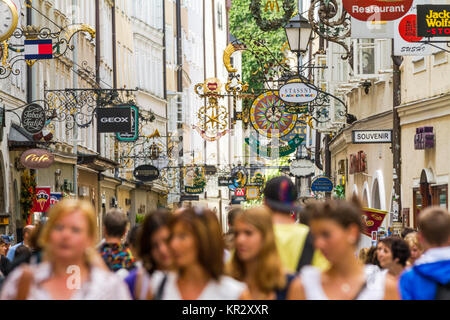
(442, 292)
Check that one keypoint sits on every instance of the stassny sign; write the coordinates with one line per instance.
(372, 136)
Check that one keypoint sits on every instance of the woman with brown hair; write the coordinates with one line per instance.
(256, 260)
(197, 248)
(71, 268)
(336, 226)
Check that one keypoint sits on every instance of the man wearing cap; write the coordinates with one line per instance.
(294, 241)
(26, 242)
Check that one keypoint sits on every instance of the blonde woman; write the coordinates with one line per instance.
(71, 268)
(415, 248)
(256, 260)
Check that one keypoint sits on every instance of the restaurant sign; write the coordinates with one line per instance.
(377, 10)
(37, 159)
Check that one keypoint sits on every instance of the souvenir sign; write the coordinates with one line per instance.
(433, 20)
(269, 116)
(133, 135)
(372, 136)
(37, 159)
(298, 92)
(377, 10)
(33, 118)
(146, 173)
(42, 199)
(322, 184)
(372, 220)
(302, 167)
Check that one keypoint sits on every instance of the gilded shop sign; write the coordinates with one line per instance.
(37, 159)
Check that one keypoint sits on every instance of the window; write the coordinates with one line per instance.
(371, 56)
(423, 199)
(439, 58)
(419, 64)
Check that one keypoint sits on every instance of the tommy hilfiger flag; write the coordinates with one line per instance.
(38, 49)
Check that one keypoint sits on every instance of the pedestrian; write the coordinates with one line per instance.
(362, 255)
(406, 231)
(116, 255)
(5, 264)
(392, 254)
(294, 241)
(27, 231)
(256, 260)
(229, 236)
(72, 269)
(197, 247)
(132, 242)
(336, 226)
(152, 248)
(429, 277)
(415, 248)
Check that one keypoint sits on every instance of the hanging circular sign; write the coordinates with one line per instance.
(37, 159)
(302, 167)
(33, 118)
(269, 117)
(322, 184)
(239, 177)
(298, 92)
(146, 173)
(377, 10)
(408, 28)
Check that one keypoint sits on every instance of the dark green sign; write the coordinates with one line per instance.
(133, 135)
(267, 152)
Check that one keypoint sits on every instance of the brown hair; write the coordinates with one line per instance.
(206, 230)
(345, 213)
(61, 209)
(399, 248)
(270, 275)
(152, 223)
(434, 225)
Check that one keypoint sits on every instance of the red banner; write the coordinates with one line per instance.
(42, 199)
(372, 220)
(377, 10)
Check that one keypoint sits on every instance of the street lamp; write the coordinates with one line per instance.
(298, 32)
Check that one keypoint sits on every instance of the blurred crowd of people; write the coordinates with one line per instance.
(265, 255)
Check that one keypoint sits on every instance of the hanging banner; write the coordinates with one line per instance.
(377, 10)
(268, 152)
(372, 29)
(41, 201)
(433, 20)
(372, 220)
(55, 197)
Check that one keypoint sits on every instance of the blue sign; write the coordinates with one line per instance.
(322, 184)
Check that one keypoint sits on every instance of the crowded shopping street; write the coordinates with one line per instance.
(224, 150)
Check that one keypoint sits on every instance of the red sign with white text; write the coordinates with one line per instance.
(42, 199)
(377, 10)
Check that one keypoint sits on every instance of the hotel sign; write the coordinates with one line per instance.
(377, 10)
(433, 20)
(372, 136)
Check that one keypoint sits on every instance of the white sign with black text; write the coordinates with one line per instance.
(372, 136)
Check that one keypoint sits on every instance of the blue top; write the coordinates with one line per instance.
(420, 282)
(282, 293)
(130, 280)
(12, 251)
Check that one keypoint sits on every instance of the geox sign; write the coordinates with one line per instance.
(114, 120)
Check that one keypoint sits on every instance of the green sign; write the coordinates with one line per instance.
(194, 190)
(133, 135)
(268, 152)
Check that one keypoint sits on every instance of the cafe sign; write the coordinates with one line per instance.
(146, 173)
(377, 10)
(37, 159)
(33, 118)
(297, 92)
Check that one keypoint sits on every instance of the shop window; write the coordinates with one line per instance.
(426, 197)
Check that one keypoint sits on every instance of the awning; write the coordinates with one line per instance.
(19, 138)
(96, 162)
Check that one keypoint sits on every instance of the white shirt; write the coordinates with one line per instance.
(311, 278)
(226, 288)
(101, 285)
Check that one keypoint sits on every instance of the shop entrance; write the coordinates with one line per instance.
(427, 195)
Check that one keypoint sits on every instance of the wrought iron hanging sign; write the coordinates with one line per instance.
(276, 23)
(196, 180)
(269, 152)
(146, 173)
(33, 118)
(239, 177)
(133, 135)
(269, 117)
(117, 119)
